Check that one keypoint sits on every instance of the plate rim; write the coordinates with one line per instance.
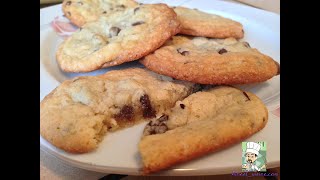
(133, 171)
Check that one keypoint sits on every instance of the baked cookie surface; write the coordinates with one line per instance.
(211, 61)
(80, 12)
(202, 123)
(198, 23)
(117, 38)
(76, 115)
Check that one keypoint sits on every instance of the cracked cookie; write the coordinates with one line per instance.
(193, 21)
(80, 12)
(204, 122)
(77, 114)
(211, 61)
(198, 23)
(117, 38)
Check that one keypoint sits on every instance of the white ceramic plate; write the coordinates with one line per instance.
(118, 152)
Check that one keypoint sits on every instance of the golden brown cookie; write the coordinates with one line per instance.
(78, 113)
(80, 12)
(120, 37)
(211, 61)
(198, 23)
(200, 124)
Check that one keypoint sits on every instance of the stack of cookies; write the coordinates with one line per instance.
(191, 57)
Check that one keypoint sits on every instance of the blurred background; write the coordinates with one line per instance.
(269, 5)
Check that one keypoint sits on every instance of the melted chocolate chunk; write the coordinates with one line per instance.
(121, 6)
(164, 117)
(223, 50)
(137, 23)
(246, 95)
(182, 106)
(68, 3)
(147, 110)
(126, 113)
(156, 126)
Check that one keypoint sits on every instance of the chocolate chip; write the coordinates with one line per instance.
(242, 30)
(252, 125)
(68, 13)
(246, 44)
(126, 113)
(137, 23)
(164, 117)
(140, 3)
(183, 53)
(264, 119)
(201, 87)
(80, 3)
(182, 106)
(135, 10)
(121, 6)
(58, 127)
(104, 12)
(147, 110)
(246, 95)
(114, 31)
(68, 3)
(156, 126)
(173, 7)
(223, 50)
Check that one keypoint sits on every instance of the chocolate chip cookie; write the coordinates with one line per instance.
(80, 12)
(202, 123)
(117, 38)
(198, 23)
(211, 61)
(78, 113)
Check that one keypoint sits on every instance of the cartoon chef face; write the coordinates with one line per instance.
(252, 152)
(251, 157)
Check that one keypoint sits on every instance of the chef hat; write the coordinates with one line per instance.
(253, 147)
